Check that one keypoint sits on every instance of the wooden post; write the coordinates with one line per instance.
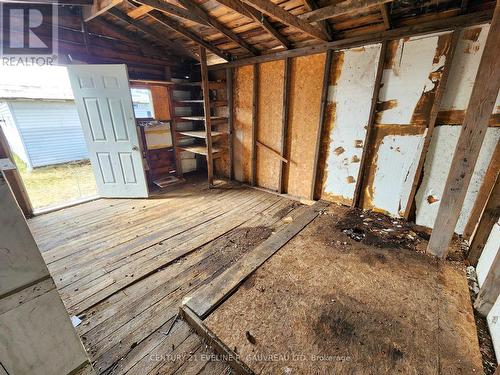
(230, 119)
(322, 110)
(173, 131)
(410, 203)
(490, 289)
(369, 125)
(14, 179)
(490, 217)
(474, 128)
(284, 123)
(255, 113)
(206, 109)
(490, 177)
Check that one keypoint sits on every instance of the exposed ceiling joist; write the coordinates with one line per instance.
(171, 9)
(344, 7)
(273, 10)
(258, 17)
(386, 15)
(181, 29)
(160, 37)
(54, 2)
(99, 7)
(139, 11)
(201, 13)
(323, 25)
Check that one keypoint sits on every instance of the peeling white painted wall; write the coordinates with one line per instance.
(483, 266)
(353, 96)
(463, 70)
(436, 169)
(408, 78)
(397, 160)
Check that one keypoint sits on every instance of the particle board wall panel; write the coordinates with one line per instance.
(270, 99)
(305, 99)
(436, 169)
(242, 137)
(351, 83)
(412, 71)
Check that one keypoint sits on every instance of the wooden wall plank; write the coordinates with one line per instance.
(479, 110)
(270, 99)
(230, 119)
(255, 123)
(305, 98)
(242, 137)
(490, 290)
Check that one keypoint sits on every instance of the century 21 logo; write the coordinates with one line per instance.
(27, 29)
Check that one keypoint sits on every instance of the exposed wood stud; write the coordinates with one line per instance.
(200, 13)
(173, 130)
(284, 123)
(322, 111)
(255, 99)
(341, 8)
(206, 109)
(369, 126)
(490, 217)
(481, 103)
(490, 289)
(230, 119)
(14, 179)
(273, 10)
(441, 88)
(171, 9)
(323, 25)
(489, 179)
(430, 27)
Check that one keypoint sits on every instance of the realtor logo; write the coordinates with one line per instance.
(29, 34)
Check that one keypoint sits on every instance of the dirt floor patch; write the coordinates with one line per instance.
(333, 301)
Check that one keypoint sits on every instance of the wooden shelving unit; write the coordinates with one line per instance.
(203, 134)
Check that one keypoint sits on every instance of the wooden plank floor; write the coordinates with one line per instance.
(124, 265)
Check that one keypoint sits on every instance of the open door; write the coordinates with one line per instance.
(104, 104)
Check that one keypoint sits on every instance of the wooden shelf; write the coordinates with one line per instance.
(212, 85)
(202, 118)
(213, 103)
(201, 150)
(201, 133)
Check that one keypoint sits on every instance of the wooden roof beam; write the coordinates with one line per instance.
(202, 14)
(258, 17)
(386, 15)
(158, 36)
(98, 7)
(269, 8)
(171, 9)
(323, 25)
(344, 7)
(181, 29)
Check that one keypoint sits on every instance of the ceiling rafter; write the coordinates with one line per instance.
(323, 25)
(201, 13)
(386, 15)
(181, 29)
(258, 17)
(160, 37)
(171, 9)
(344, 7)
(273, 10)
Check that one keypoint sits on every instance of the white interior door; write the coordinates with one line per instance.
(104, 104)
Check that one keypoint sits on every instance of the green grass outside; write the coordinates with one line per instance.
(57, 184)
